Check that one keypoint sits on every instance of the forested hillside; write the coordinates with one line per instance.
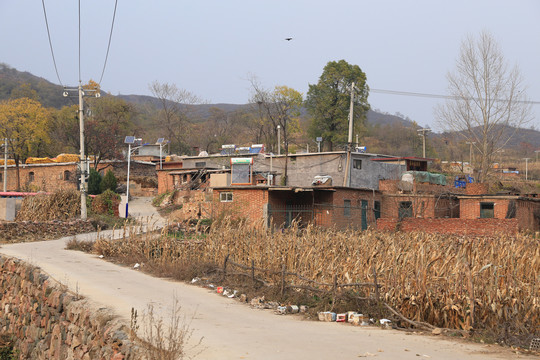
(193, 126)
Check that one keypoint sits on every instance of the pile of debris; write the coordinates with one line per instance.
(61, 205)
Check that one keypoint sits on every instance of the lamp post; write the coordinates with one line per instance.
(130, 140)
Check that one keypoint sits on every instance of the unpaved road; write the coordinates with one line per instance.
(232, 330)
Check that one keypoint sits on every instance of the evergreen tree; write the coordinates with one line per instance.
(109, 182)
(94, 182)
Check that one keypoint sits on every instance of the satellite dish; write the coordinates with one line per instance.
(65, 94)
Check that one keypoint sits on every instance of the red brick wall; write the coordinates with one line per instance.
(525, 214)
(476, 189)
(356, 197)
(470, 208)
(247, 203)
(46, 178)
(452, 226)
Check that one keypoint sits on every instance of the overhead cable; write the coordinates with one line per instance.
(50, 42)
(408, 93)
(109, 45)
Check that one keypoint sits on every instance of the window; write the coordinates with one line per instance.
(200, 164)
(67, 175)
(346, 207)
(405, 209)
(1, 178)
(486, 210)
(357, 164)
(226, 196)
(31, 176)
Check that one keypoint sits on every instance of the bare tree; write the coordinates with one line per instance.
(279, 107)
(488, 102)
(174, 113)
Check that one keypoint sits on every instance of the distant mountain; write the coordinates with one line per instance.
(51, 96)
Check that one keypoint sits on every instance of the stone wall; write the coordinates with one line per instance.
(49, 322)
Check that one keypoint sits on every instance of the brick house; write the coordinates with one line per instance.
(280, 205)
(54, 176)
(444, 209)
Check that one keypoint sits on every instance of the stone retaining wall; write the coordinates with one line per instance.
(20, 231)
(49, 322)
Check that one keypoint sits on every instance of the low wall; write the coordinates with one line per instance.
(50, 322)
(451, 226)
(35, 231)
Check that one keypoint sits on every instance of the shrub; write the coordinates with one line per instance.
(94, 182)
(109, 182)
(106, 203)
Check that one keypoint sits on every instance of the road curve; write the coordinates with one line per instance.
(232, 330)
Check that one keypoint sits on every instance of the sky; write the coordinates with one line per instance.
(212, 48)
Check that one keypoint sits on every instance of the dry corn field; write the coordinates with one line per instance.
(427, 277)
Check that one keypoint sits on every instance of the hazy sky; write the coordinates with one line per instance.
(211, 47)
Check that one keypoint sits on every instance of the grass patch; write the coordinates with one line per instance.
(80, 245)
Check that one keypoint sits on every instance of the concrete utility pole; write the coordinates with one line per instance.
(346, 179)
(470, 143)
(526, 168)
(279, 140)
(5, 163)
(423, 135)
(83, 163)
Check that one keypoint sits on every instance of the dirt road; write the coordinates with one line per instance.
(232, 330)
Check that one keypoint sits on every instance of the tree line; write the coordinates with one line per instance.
(486, 97)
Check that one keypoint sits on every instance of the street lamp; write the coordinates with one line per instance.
(161, 142)
(130, 140)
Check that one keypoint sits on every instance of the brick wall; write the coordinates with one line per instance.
(528, 215)
(476, 189)
(470, 208)
(452, 226)
(356, 197)
(49, 322)
(43, 177)
(246, 203)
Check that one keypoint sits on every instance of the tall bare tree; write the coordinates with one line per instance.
(488, 102)
(279, 107)
(175, 112)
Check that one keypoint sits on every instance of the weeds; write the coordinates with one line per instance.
(166, 340)
(80, 245)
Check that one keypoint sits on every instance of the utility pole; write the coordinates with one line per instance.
(471, 143)
(423, 135)
(346, 179)
(279, 139)
(83, 163)
(5, 163)
(526, 168)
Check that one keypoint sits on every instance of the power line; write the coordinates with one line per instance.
(109, 45)
(50, 42)
(436, 96)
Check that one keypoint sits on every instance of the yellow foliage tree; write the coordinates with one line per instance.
(24, 122)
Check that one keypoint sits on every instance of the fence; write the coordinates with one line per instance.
(334, 289)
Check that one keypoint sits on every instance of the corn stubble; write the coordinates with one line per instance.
(490, 285)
